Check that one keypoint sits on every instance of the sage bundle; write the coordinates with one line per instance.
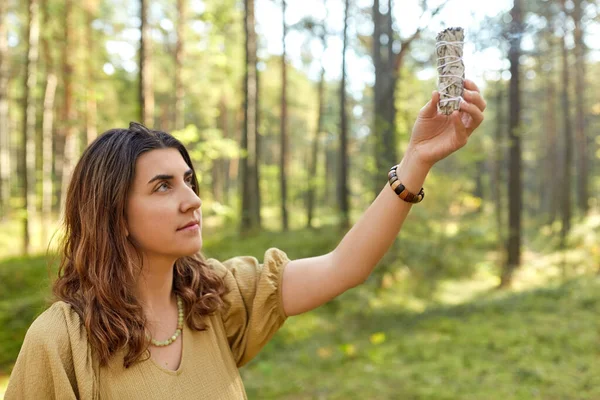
(451, 69)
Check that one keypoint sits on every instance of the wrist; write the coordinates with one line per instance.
(412, 172)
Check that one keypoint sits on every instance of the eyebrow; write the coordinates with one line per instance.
(166, 177)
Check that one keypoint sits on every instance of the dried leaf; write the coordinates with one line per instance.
(451, 69)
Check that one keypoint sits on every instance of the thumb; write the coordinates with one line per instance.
(430, 109)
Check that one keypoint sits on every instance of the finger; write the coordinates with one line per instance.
(469, 84)
(476, 98)
(459, 128)
(475, 113)
(429, 110)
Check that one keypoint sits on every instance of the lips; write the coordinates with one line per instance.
(191, 223)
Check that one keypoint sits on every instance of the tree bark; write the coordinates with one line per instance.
(514, 178)
(90, 47)
(284, 151)
(4, 117)
(580, 107)
(179, 56)
(70, 141)
(498, 163)
(250, 213)
(315, 145)
(29, 123)
(343, 161)
(47, 132)
(567, 143)
(146, 90)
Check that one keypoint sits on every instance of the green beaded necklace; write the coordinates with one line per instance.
(163, 343)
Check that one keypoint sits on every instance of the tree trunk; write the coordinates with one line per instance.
(70, 141)
(4, 139)
(567, 144)
(514, 179)
(250, 215)
(498, 163)
(384, 58)
(179, 56)
(146, 90)
(552, 191)
(312, 176)
(284, 152)
(29, 123)
(47, 133)
(91, 49)
(580, 106)
(343, 161)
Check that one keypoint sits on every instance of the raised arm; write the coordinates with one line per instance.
(311, 282)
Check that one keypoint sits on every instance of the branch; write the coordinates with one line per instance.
(405, 44)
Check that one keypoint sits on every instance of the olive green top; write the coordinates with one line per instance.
(56, 360)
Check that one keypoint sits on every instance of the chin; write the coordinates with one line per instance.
(191, 250)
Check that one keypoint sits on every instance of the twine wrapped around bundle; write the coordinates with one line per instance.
(451, 69)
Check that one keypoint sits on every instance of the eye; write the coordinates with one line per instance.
(162, 185)
(190, 181)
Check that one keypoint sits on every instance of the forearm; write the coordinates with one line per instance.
(370, 238)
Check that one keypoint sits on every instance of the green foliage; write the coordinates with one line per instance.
(538, 344)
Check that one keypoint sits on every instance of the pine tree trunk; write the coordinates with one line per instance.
(343, 161)
(29, 124)
(284, 156)
(550, 143)
(179, 56)
(47, 132)
(580, 106)
(312, 175)
(146, 90)
(4, 138)
(498, 163)
(69, 140)
(515, 160)
(567, 145)
(384, 59)
(91, 117)
(250, 213)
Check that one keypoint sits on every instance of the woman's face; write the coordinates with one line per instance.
(162, 203)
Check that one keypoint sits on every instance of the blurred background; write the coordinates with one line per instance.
(293, 111)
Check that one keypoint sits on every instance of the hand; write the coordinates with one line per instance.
(435, 136)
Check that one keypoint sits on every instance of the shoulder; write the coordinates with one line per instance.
(56, 326)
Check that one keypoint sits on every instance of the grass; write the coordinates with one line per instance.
(467, 341)
(534, 344)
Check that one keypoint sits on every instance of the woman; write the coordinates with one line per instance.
(140, 314)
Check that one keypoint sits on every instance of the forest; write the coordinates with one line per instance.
(293, 112)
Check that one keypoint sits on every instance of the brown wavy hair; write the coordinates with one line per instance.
(98, 272)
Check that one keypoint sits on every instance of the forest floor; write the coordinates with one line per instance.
(539, 340)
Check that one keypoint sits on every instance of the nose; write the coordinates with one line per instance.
(191, 201)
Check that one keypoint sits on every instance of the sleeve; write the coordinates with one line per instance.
(254, 305)
(55, 361)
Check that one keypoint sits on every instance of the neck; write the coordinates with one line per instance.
(155, 286)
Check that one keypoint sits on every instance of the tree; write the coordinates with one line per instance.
(4, 138)
(515, 158)
(284, 155)
(91, 130)
(343, 160)
(47, 127)
(69, 139)
(580, 107)
(388, 61)
(250, 212)
(567, 139)
(146, 91)
(179, 57)
(310, 199)
(29, 123)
